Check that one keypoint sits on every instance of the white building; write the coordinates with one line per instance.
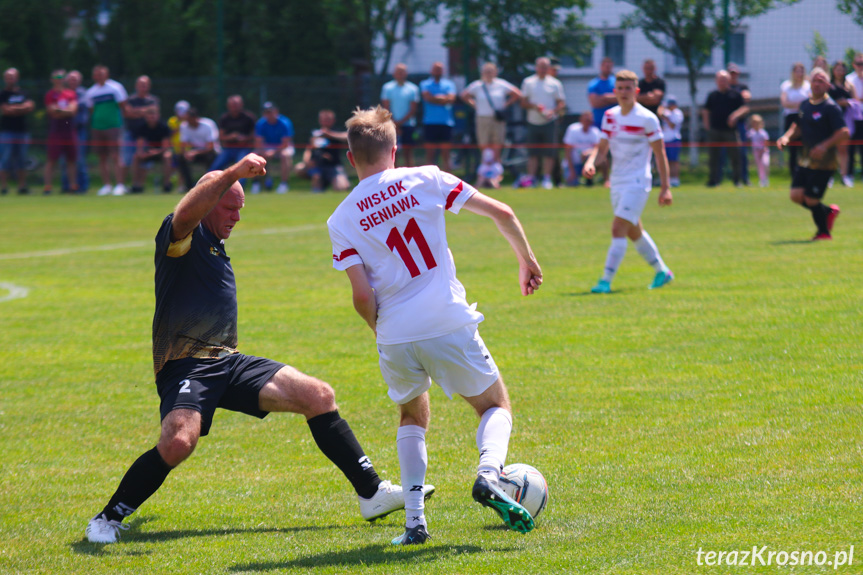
(764, 47)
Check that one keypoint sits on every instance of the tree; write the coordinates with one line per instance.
(692, 29)
(853, 8)
(515, 32)
(818, 47)
(364, 32)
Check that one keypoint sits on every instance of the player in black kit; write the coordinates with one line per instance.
(821, 127)
(198, 368)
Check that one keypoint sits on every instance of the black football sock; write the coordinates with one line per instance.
(338, 442)
(140, 482)
(819, 215)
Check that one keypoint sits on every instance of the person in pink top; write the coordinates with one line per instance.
(758, 137)
(61, 104)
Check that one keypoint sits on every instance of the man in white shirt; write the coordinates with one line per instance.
(580, 139)
(672, 120)
(543, 98)
(632, 132)
(199, 138)
(389, 235)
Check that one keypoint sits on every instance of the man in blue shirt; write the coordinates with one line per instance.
(600, 93)
(438, 94)
(274, 139)
(402, 99)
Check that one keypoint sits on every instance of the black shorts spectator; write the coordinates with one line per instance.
(437, 133)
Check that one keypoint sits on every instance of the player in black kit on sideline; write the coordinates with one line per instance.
(198, 368)
(821, 127)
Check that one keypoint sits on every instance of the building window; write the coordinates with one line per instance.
(582, 53)
(737, 48)
(613, 47)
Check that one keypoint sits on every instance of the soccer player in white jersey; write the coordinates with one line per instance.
(632, 132)
(389, 235)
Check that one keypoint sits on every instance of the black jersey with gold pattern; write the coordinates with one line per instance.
(818, 122)
(196, 297)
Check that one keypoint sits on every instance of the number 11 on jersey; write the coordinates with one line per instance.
(397, 243)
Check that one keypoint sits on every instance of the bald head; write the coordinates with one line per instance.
(10, 77)
(723, 80)
(542, 66)
(400, 73)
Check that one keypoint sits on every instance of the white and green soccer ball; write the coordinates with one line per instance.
(526, 486)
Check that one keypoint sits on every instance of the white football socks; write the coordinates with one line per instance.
(492, 440)
(413, 461)
(615, 255)
(647, 249)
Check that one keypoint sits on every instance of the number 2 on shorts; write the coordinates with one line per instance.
(396, 243)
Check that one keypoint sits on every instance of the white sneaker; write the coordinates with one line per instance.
(283, 188)
(119, 190)
(256, 188)
(104, 190)
(389, 498)
(103, 530)
(830, 183)
(546, 183)
(848, 181)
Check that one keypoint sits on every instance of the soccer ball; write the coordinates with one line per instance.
(526, 486)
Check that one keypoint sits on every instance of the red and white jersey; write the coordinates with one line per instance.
(393, 224)
(629, 140)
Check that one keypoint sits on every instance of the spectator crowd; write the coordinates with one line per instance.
(130, 136)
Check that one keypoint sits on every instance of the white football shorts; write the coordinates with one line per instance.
(458, 362)
(628, 203)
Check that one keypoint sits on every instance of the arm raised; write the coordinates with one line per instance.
(196, 204)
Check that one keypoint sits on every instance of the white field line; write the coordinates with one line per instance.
(143, 244)
(15, 292)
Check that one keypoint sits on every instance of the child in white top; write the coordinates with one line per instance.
(490, 172)
(758, 136)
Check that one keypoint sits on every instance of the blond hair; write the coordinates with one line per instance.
(626, 76)
(756, 120)
(371, 134)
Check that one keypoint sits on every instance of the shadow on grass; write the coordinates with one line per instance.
(790, 242)
(368, 555)
(84, 547)
(596, 295)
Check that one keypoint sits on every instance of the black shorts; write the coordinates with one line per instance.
(813, 182)
(233, 382)
(437, 133)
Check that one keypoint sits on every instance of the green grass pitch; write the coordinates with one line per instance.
(720, 413)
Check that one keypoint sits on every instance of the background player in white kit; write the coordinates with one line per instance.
(389, 235)
(632, 132)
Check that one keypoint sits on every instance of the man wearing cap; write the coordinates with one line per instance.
(274, 139)
(181, 108)
(743, 90)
